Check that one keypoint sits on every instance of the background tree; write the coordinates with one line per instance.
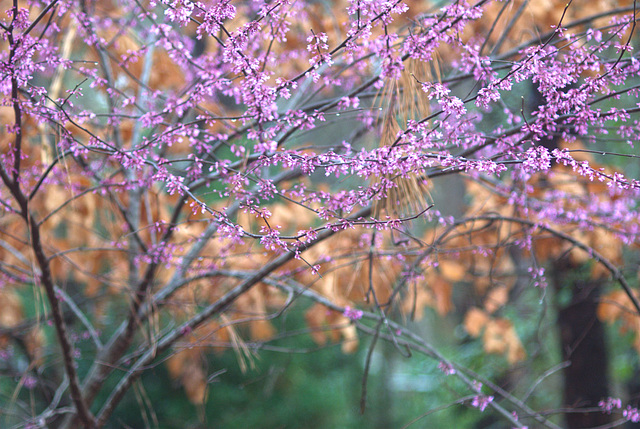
(180, 178)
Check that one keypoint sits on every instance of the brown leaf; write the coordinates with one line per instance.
(441, 291)
(186, 366)
(500, 337)
(613, 305)
(10, 308)
(496, 298)
(452, 270)
(261, 330)
(494, 341)
(474, 321)
(414, 303)
(194, 381)
(34, 342)
(350, 338)
(316, 317)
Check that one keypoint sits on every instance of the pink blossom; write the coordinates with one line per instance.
(353, 314)
(481, 402)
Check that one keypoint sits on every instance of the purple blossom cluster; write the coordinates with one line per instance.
(446, 368)
(481, 402)
(609, 405)
(352, 314)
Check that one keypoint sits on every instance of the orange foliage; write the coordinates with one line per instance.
(11, 312)
(499, 336)
(536, 17)
(616, 306)
(326, 324)
(186, 367)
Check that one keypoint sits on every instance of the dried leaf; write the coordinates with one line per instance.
(494, 341)
(414, 303)
(350, 338)
(194, 381)
(316, 317)
(496, 298)
(452, 270)
(441, 291)
(261, 330)
(474, 321)
(34, 342)
(10, 308)
(501, 338)
(186, 366)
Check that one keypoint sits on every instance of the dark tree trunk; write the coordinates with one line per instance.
(582, 339)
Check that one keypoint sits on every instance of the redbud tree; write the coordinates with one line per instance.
(177, 175)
